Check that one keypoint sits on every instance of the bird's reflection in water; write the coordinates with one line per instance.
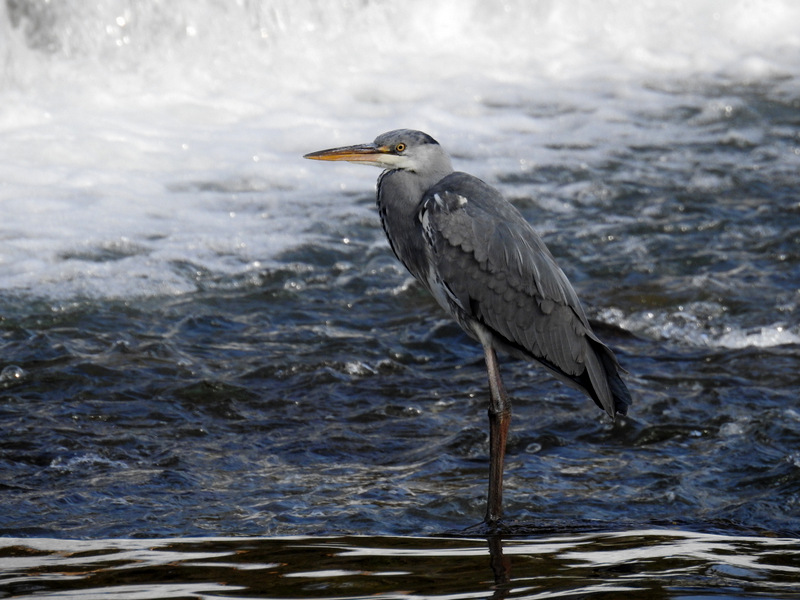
(501, 567)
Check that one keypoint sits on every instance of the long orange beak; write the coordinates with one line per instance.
(369, 154)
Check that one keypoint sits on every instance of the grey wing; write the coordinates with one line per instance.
(498, 271)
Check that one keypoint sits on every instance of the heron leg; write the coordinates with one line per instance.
(499, 419)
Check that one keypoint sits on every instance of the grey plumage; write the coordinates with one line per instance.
(487, 267)
(497, 269)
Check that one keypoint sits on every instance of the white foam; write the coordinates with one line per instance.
(84, 461)
(702, 324)
(162, 135)
(762, 337)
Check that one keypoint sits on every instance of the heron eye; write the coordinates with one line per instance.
(400, 147)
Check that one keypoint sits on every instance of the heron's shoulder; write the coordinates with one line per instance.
(474, 197)
(465, 185)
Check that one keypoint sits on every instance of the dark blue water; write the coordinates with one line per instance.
(331, 395)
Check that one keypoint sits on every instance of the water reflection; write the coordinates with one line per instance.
(639, 563)
(501, 567)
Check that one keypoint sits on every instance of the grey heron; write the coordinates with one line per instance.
(487, 267)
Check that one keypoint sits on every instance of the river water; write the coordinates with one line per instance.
(212, 364)
(644, 564)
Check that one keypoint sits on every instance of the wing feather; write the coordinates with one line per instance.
(497, 267)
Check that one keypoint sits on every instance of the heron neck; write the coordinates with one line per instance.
(411, 185)
(399, 195)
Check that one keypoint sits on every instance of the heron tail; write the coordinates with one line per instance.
(619, 391)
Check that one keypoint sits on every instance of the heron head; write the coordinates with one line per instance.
(399, 149)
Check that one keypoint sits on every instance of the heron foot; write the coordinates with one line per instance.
(487, 529)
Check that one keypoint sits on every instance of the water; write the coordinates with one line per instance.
(636, 564)
(204, 336)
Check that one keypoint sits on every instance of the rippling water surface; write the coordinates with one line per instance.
(204, 335)
(633, 564)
